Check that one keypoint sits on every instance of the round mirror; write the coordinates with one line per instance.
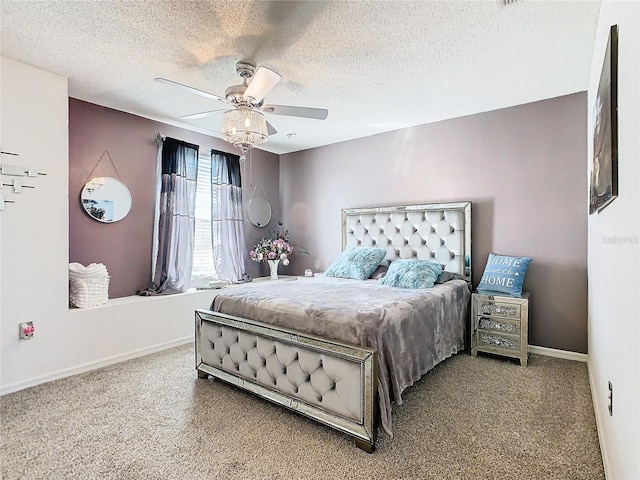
(106, 199)
(259, 211)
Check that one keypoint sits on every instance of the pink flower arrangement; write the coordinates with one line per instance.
(275, 246)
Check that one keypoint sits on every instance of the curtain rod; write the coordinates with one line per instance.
(159, 138)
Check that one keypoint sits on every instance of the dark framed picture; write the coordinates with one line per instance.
(603, 186)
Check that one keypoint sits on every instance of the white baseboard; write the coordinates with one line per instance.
(599, 420)
(86, 367)
(552, 352)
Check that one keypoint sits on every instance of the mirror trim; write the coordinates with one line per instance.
(259, 212)
(93, 201)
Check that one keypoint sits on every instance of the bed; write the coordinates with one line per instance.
(338, 350)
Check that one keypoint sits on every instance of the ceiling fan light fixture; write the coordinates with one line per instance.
(244, 127)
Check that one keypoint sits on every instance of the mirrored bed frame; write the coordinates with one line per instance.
(332, 381)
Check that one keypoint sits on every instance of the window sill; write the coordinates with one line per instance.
(114, 302)
(205, 291)
(281, 278)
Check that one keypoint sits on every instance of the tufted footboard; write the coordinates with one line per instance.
(330, 381)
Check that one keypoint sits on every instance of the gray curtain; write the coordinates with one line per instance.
(175, 218)
(227, 222)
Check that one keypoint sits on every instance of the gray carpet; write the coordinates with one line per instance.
(151, 418)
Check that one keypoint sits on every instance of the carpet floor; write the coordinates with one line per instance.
(152, 418)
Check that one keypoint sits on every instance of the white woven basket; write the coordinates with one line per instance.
(88, 292)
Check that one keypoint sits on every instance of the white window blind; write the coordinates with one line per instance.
(203, 269)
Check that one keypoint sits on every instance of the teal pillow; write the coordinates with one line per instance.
(412, 274)
(504, 274)
(356, 262)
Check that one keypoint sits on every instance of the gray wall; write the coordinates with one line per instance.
(125, 246)
(523, 169)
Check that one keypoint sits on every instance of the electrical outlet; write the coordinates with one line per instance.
(26, 330)
(611, 399)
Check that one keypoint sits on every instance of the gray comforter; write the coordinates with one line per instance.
(413, 330)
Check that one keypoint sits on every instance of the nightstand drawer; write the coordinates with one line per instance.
(499, 325)
(511, 343)
(498, 309)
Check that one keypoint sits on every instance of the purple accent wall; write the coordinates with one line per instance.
(523, 169)
(125, 246)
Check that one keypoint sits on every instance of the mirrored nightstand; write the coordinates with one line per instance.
(500, 325)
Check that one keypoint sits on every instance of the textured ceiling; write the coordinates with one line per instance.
(376, 66)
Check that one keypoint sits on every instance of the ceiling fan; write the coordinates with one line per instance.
(244, 124)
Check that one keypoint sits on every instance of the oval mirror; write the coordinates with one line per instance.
(259, 211)
(106, 199)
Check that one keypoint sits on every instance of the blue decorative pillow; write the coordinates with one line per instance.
(356, 262)
(504, 274)
(412, 274)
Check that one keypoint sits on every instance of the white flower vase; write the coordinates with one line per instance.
(273, 267)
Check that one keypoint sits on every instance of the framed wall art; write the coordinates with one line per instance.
(603, 185)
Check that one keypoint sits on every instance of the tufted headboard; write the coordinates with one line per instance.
(439, 232)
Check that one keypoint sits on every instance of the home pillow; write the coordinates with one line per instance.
(504, 274)
(412, 274)
(356, 262)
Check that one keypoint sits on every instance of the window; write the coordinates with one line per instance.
(203, 269)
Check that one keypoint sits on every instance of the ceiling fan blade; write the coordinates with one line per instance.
(305, 112)
(202, 93)
(270, 129)
(193, 116)
(261, 83)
